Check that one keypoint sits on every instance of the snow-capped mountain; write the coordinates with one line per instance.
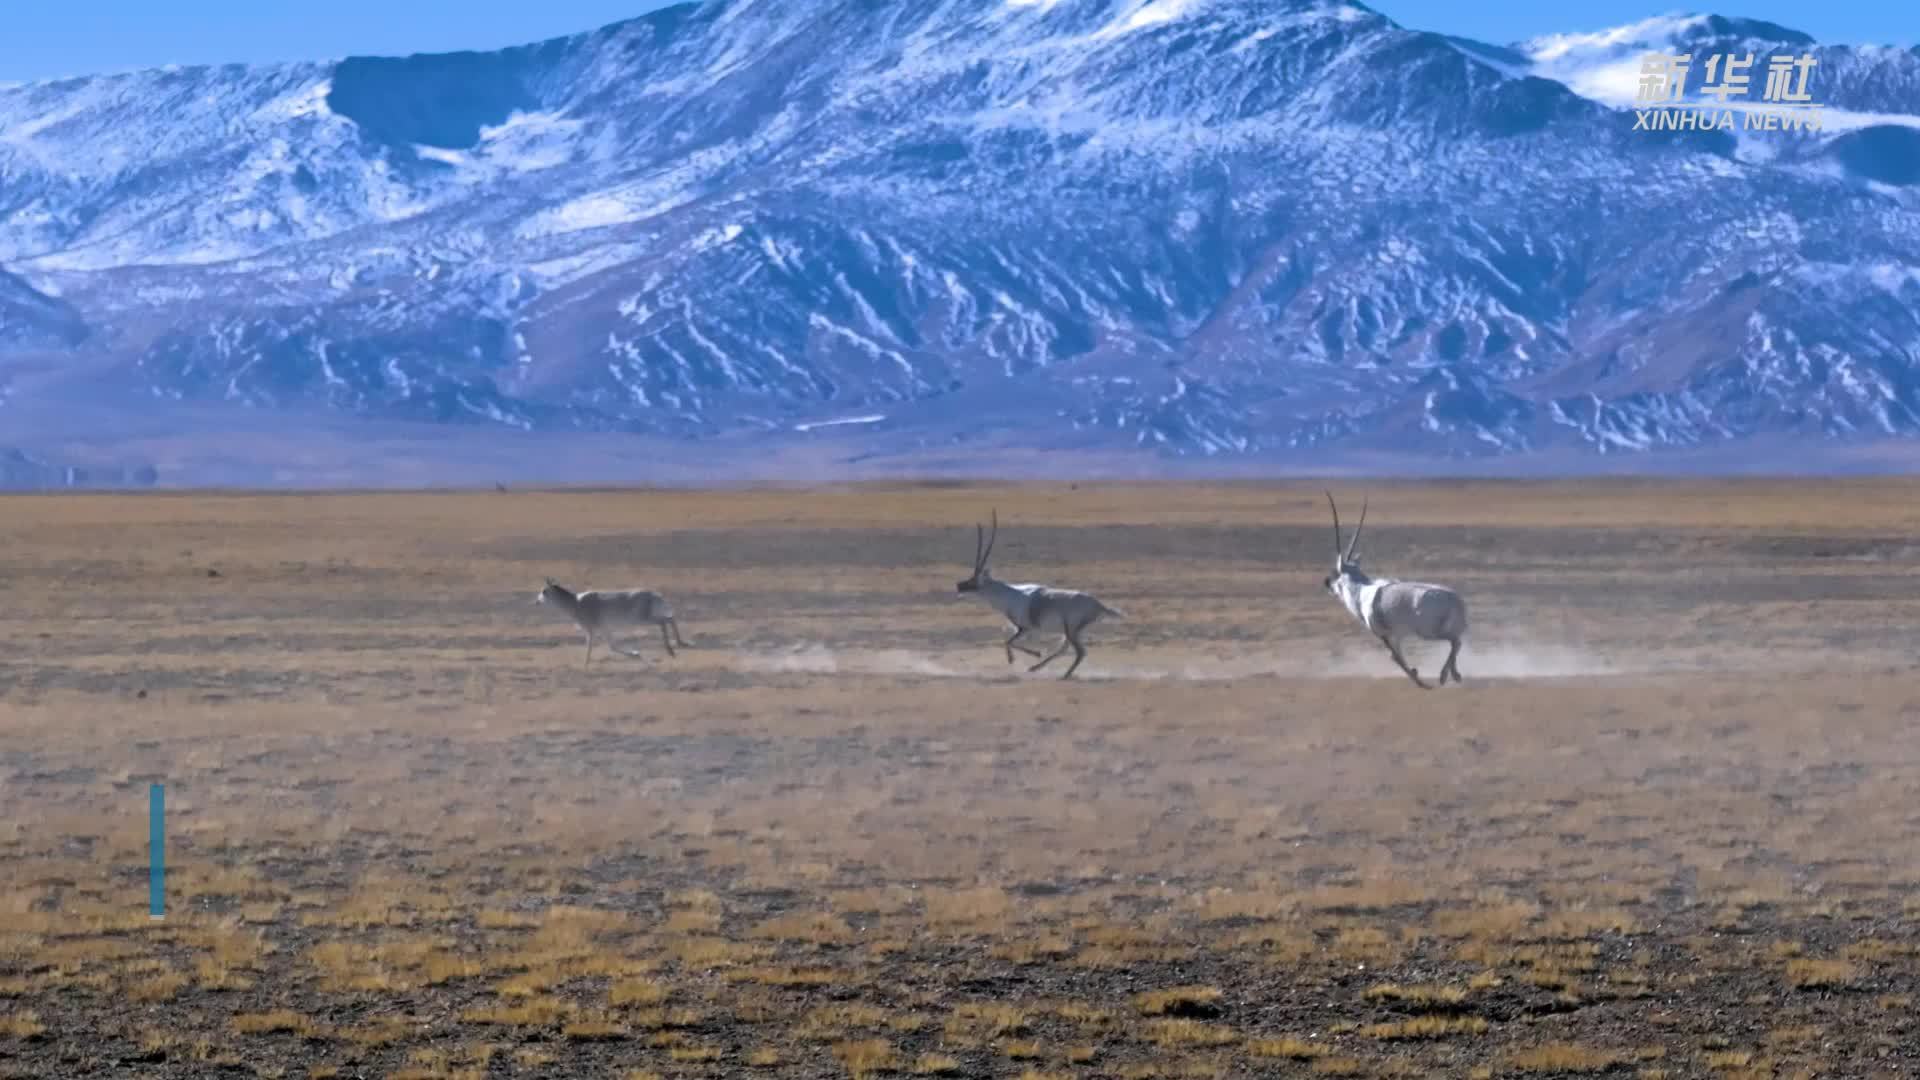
(1208, 227)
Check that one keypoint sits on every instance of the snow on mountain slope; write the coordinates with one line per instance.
(1205, 227)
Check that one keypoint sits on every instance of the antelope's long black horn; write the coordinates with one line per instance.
(1336, 521)
(992, 538)
(1354, 544)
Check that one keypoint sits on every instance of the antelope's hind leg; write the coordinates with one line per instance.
(665, 640)
(1079, 654)
(1050, 657)
(682, 642)
(1453, 663)
(613, 646)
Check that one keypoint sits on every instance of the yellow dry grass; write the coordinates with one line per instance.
(1561, 1057)
(839, 832)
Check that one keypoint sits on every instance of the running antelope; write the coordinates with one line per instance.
(600, 614)
(1033, 608)
(1396, 610)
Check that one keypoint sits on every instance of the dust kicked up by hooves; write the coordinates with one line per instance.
(1492, 661)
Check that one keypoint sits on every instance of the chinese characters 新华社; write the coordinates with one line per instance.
(1785, 101)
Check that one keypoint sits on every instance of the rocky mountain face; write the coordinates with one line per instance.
(1228, 228)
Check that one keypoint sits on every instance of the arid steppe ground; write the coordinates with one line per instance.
(1666, 828)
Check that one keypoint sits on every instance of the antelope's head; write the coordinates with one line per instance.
(982, 550)
(1346, 561)
(551, 594)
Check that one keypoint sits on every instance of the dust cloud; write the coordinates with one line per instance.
(1496, 660)
(820, 660)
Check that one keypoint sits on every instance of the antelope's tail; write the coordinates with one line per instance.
(1115, 612)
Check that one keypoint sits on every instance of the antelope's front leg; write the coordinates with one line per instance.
(1404, 666)
(1018, 631)
(667, 641)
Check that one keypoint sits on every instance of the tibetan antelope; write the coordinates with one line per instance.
(1033, 608)
(600, 614)
(1396, 610)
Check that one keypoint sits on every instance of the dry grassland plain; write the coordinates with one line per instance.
(1666, 828)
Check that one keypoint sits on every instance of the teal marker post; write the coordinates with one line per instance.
(157, 852)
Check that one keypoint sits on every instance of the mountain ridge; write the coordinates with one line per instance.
(1228, 229)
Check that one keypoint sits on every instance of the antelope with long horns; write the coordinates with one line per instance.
(600, 614)
(1396, 610)
(1033, 609)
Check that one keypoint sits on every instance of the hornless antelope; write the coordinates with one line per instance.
(1033, 608)
(600, 613)
(1396, 610)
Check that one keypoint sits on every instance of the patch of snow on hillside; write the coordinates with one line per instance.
(713, 238)
(531, 141)
(1151, 13)
(455, 158)
(308, 100)
(553, 273)
(596, 211)
(1604, 66)
(845, 422)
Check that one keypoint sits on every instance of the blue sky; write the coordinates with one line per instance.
(46, 40)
